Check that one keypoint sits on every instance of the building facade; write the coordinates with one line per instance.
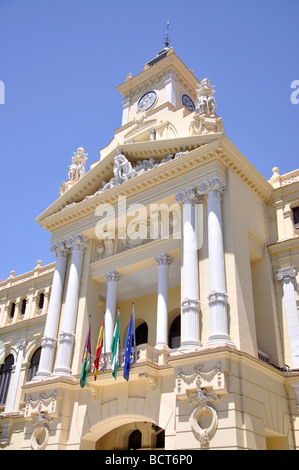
(174, 223)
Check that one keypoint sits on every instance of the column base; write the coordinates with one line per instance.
(41, 375)
(190, 346)
(163, 346)
(215, 341)
(61, 372)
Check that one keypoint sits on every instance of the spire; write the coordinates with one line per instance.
(164, 52)
(167, 40)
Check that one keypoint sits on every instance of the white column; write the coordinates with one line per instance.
(213, 190)
(287, 277)
(49, 340)
(190, 295)
(112, 279)
(16, 377)
(77, 244)
(164, 261)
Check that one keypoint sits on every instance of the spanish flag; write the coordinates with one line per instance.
(98, 351)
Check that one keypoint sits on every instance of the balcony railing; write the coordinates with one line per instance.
(142, 353)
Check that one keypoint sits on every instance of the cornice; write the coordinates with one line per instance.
(29, 277)
(91, 182)
(239, 164)
(25, 325)
(202, 151)
(143, 80)
(282, 247)
(133, 187)
(228, 354)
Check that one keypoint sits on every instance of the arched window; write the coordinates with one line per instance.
(12, 310)
(175, 333)
(34, 364)
(5, 376)
(141, 334)
(23, 308)
(135, 440)
(41, 301)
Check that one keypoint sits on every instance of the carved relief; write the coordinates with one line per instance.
(202, 389)
(123, 170)
(40, 435)
(41, 411)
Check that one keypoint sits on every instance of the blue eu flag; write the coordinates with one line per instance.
(128, 347)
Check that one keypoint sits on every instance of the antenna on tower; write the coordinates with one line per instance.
(167, 40)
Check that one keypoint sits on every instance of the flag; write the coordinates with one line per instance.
(98, 351)
(85, 360)
(115, 348)
(128, 347)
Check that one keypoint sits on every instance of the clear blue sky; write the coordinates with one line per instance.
(60, 61)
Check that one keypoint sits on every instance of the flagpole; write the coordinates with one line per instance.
(89, 365)
(133, 306)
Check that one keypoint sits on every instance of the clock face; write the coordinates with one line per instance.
(186, 100)
(147, 101)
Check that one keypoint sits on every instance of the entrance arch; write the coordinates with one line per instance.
(114, 433)
(132, 436)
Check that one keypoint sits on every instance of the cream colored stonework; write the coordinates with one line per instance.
(237, 386)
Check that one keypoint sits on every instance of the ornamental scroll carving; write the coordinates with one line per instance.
(40, 410)
(201, 389)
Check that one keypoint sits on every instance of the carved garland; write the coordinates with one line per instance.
(204, 418)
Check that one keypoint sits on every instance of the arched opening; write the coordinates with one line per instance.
(135, 440)
(41, 301)
(141, 334)
(174, 339)
(133, 436)
(12, 310)
(5, 376)
(23, 307)
(34, 364)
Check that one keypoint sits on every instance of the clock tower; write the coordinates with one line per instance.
(164, 85)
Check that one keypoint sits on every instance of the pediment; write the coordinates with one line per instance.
(145, 166)
(139, 159)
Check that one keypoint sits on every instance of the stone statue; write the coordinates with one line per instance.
(205, 102)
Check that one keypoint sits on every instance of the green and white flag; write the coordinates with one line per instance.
(115, 348)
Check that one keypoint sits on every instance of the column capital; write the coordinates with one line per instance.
(190, 305)
(48, 341)
(77, 242)
(21, 345)
(60, 249)
(286, 274)
(113, 276)
(164, 258)
(215, 184)
(189, 196)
